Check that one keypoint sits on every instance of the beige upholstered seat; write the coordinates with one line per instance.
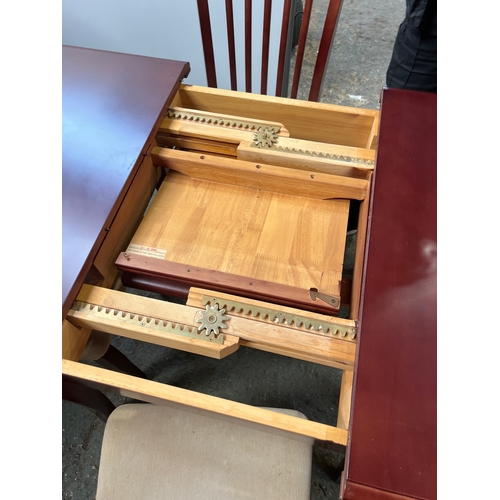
(156, 452)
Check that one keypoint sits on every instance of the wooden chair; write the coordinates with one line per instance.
(291, 14)
(98, 349)
(157, 452)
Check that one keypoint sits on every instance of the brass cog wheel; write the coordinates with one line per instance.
(211, 320)
(265, 137)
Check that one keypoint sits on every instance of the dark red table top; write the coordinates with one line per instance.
(112, 107)
(392, 449)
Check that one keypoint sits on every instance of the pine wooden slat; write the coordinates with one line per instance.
(179, 126)
(260, 176)
(158, 393)
(373, 138)
(325, 349)
(330, 148)
(127, 220)
(195, 144)
(359, 257)
(195, 298)
(344, 413)
(73, 340)
(245, 151)
(147, 307)
(312, 121)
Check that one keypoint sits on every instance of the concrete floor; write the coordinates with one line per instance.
(355, 77)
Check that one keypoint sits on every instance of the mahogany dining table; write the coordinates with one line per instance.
(112, 108)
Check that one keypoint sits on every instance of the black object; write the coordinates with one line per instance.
(413, 64)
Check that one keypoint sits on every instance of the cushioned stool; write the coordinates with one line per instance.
(156, 452)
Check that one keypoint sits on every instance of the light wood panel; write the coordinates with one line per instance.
(127, 220)
(330, 148)
(245, 151)
(373, 138)
(158, 393)
(344, 413)
(73, 340)
(332, 353)
(359, 257)
(312, 121)
(205, 128)
(260, 176)
(166, 140)
(289, 240)
(301, 344)
(195, 299)
(149, 308)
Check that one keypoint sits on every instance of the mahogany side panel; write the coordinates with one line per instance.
(181, 275)
(393, 427)
(354, 490)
